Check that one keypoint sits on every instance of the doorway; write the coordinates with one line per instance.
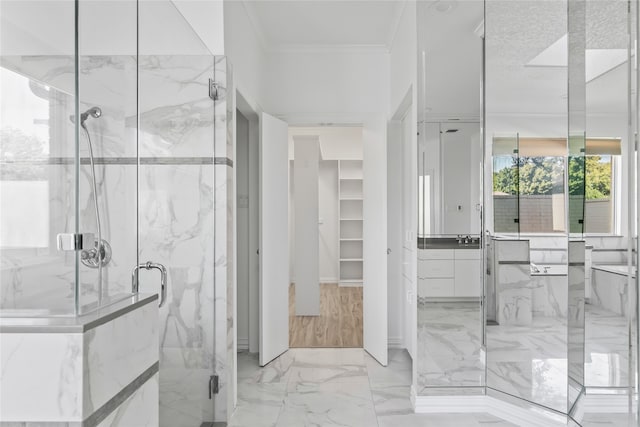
(325, 235)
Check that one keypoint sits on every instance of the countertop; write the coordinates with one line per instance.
(446, 243)
(79, 324)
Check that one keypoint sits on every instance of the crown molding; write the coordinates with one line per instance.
(328, 48)
(271, 47)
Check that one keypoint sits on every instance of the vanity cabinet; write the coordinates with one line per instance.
(450, 273)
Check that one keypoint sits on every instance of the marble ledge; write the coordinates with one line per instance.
(79, 324)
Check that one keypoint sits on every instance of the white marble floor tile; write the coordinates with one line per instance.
(397, 372)
(277, 371)
(392, 400)
(335, 387)
(328, 404)
(259, 404)
(442, 420)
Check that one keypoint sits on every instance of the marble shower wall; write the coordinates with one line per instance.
(186, 224)
(108, 82)
(185, 183)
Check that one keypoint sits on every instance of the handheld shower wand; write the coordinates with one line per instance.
(100, 255)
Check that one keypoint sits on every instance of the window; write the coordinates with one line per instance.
(529, 186)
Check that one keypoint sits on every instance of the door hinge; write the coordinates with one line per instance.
(213, 90)
(214, 385)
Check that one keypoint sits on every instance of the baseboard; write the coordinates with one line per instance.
(395, 342)
(243, 344)
(322, 280)
(521, 416)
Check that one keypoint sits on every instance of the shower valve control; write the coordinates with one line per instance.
(75, 241)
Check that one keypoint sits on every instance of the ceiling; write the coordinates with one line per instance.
(336, 142)
(516, 33)
(324, 23)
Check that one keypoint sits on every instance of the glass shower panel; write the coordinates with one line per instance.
(107, 86)
(608, 199)
(506, 185)
(525, 96)
(576, 176)
(450, 356)
(176, 208)
(38, 165)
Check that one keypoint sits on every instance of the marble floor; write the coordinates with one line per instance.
(606, 348)
(335, 387)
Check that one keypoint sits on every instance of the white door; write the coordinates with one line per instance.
(374, 237)
(274, 238)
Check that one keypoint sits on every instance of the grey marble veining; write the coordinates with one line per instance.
(609, 291)
(449, 345)
(381, 398)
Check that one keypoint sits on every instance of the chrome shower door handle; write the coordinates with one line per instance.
(135, 285)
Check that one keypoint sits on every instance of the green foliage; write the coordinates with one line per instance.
(588, 176)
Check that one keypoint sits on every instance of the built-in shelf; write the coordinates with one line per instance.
(351, 214)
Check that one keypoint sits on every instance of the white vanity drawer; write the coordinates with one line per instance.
(436, 288)
(468, 254)
(436, 268)
(435, 254)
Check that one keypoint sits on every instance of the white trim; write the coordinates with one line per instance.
(315, 49)
(395, 23)
(243, 344)
(525, 417)
(330, 280)
(395, 342)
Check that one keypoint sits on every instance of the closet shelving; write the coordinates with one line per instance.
(350, 196)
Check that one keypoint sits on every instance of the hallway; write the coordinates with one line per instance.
(335, 387)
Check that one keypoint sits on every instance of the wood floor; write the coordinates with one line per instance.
(339, 323)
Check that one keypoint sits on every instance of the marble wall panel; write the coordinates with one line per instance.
(609, 291)
(54, 381)
(109, 368)
(140, 409)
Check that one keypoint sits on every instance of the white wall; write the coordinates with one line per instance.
(396, 301)
(305, 87)
(245, 53)
(306, 201)
(207, 20)
(461, 158)
(329, 222)
(403, 66)
(242, 215)
(402, 152)
(329, 250)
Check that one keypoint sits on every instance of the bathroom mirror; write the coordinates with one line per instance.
(450, 356)
(525, 202)
(606, 228)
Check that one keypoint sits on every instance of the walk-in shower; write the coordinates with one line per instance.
(107, 164)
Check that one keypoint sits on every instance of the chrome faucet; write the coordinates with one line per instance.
(163, 279)
(535, 268)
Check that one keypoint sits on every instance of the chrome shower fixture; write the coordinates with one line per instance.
(94, 112)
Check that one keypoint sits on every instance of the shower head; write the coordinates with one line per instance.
(94, 112)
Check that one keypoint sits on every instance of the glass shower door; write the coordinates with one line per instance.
(176, 209)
